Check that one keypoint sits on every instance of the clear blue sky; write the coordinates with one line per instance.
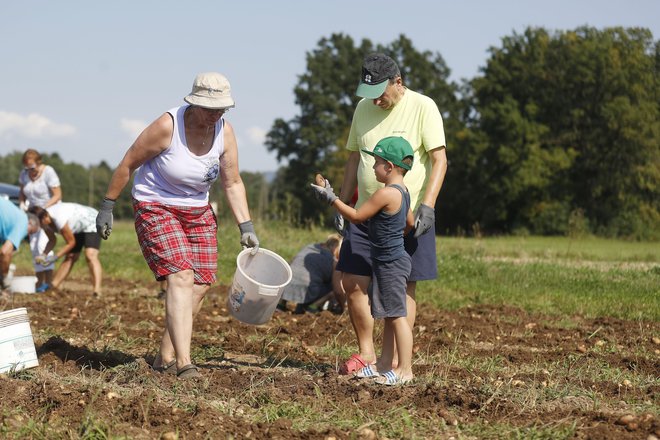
(82, 78)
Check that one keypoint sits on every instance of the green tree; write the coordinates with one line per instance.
(10, 167)
(84, 185)
(308, 141)
(314, 140)
(256, 188)
(571, 122)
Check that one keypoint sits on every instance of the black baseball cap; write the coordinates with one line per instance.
(377, 69)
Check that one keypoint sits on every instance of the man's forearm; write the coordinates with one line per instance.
(350, 178)
(437, 177)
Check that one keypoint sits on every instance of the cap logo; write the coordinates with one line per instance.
(367, 78)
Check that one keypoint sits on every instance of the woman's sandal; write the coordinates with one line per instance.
(168, 368)
(391, 378)
(189, 371)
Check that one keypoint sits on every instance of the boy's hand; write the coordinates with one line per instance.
(325, 193)
(424, 219)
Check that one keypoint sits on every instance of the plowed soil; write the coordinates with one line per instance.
(476, 368)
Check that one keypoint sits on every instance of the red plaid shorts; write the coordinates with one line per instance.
(176, 238)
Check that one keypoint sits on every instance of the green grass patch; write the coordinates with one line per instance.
(547, 287)
(553, 275)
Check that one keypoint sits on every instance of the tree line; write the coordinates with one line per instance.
(87, 185)
(559, 133)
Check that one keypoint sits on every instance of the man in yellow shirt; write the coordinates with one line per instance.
(389, 109)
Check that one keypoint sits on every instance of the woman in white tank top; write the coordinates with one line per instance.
(178, 157)
(40, 186)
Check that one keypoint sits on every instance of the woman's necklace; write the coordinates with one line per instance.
(206, 135)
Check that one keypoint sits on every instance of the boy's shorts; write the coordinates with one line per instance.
(355, 253)
(388, 290)
(177, 238)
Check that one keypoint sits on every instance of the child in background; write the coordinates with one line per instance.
(390, 217)
(43, 268)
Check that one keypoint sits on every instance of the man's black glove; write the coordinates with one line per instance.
(424, 219)
(340, 224)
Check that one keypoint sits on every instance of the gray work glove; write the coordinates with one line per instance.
(104, 218)
(249, 237)
(340, 224)
(424, 219)
(324, 193)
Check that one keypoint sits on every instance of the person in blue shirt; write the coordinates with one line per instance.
(14, 226)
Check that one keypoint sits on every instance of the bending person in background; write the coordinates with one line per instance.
(389, 108)
(180, 155)
(76, 223)
(39, 186)
(314, 281)
(14, 226)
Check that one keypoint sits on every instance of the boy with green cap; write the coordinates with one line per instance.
(390, 218)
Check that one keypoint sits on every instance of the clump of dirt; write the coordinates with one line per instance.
(476, 368)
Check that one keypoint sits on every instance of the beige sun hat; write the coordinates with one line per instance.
(210, 90)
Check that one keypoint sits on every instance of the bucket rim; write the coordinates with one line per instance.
(18, 310)
(24, 279)
(271, 254)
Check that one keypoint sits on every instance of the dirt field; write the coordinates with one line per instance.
(482, 372)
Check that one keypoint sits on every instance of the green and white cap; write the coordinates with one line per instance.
(394, 149)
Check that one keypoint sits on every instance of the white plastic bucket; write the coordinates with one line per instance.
(17, 350)
(258, 284)
(23, 284)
